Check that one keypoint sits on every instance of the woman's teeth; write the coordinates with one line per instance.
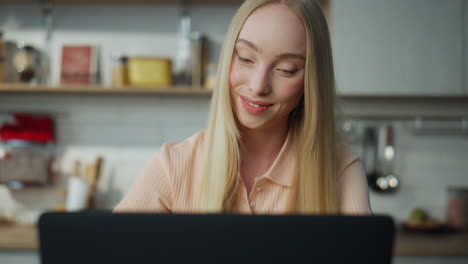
(254, 105)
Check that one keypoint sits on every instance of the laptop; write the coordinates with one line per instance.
(104, 237)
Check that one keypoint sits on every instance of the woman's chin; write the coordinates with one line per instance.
(253, 124)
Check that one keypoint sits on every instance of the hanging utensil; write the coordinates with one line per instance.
(370, 157)
(378, 180)
(389, 181)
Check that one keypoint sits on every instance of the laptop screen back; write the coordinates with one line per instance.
(98, 237)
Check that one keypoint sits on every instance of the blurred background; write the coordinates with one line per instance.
(90, 90)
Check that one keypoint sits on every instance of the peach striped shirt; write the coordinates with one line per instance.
(170, 183)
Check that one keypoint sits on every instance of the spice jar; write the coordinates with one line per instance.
(120, 71)
(26, 62)
(457, 210)
(2, 60)
(210, 78)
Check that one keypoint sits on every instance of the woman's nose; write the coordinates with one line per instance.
(260, 82)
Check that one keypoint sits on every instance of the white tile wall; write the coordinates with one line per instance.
(423, 176)
(426, 166)
(127, 130)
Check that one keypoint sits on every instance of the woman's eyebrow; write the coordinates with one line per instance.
(279, 56)
(249, 44)
(290, 55)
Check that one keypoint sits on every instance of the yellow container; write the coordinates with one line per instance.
(149, 71)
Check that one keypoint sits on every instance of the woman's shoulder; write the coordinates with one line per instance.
(170, 168)
(345, 158)
(192, 142)
(353, 193)
(182, 151)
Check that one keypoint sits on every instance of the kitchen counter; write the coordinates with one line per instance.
(18, 237)
(14, 237)
(411, 244)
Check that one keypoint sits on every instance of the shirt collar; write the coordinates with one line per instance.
(284, 168)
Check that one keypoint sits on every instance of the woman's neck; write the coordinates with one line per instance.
(259, 151)
(262, 143)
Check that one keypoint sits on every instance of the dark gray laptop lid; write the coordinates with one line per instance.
(103, 237)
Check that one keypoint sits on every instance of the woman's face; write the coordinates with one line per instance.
(267, 70)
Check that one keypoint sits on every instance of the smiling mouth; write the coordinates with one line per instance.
(255, 103)
(255, 107)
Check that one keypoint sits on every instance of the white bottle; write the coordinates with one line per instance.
(77, 191)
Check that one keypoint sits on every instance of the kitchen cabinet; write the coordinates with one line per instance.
(399, 47)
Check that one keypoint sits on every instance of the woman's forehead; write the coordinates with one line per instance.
(274, 28)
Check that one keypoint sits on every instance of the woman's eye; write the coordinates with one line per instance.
(244, 59)
(287, 72)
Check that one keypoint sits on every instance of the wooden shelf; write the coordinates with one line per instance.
(405, 97)
(188, 90)
(133, 2)
(96, 89)
(325, 3)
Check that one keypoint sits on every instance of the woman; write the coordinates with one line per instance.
(271, 146)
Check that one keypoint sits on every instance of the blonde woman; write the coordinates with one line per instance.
(271, 146)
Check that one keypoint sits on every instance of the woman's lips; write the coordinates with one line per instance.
(254, 107)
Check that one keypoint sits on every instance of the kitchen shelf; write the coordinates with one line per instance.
(97, 89)
(133, 2)
(189, 90)
(325, 3)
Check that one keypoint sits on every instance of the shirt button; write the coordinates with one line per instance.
(252, 204)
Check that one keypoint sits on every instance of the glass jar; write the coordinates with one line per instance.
(457, 210)
(26, 63)
(210, 77)
(2, 60)
(120, 71)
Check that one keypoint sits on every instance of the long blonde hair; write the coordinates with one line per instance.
(312, 122)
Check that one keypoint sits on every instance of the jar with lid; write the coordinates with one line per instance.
(119, 71)
(26, 63)
(457, 210)
(2, 60)
(210, 77)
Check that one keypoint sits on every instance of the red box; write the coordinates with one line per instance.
(79, 64)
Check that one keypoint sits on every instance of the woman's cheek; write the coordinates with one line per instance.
(234, 74)
(293, 88)
(298, 84)
(238, 75)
